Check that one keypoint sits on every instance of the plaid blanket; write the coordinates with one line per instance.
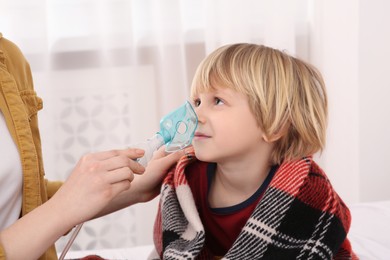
(299, 217)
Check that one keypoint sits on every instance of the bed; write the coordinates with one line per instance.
(369, 233)
(370, 229)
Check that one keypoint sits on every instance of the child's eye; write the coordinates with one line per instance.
(218, 101)
(196, 102)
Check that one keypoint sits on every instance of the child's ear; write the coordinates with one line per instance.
(279, 134)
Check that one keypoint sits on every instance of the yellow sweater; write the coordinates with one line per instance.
(20, 104)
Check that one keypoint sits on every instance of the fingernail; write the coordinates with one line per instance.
(139, 151)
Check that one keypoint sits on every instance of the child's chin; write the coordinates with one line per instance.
(203, 157)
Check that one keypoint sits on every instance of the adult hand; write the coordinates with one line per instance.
(145, 187)
(95, 181)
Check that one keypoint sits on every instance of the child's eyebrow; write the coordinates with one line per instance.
(224, 92)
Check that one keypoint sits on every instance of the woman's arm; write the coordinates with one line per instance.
(96, 180)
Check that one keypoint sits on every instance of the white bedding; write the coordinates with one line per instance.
(370, 230)
(369, 234)
(131, 253)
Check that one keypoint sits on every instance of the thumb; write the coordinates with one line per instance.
(166, 160)
(159, 153)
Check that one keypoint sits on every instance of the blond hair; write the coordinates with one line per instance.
(286, 95)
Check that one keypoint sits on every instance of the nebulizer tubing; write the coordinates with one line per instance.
(177, 130)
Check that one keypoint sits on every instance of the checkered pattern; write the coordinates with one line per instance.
(299, 217)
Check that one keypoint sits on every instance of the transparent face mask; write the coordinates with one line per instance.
(177, 130)
(178, 127)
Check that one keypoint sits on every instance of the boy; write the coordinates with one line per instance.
(250, 188)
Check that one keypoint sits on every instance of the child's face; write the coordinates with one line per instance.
(227, 129)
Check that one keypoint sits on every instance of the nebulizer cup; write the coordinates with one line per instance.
(177, 130)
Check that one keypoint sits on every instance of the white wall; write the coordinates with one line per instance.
(334, 49)
(349, 44)
(374, 102)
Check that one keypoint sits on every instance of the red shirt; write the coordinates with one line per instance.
(222, 225)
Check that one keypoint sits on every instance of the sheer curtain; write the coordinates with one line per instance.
(107, 71)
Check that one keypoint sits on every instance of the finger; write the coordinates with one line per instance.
(119, 187)
(132, 153)
(129, 152)
(119, 175)
(115, 162)
(102, 155)
(121, 161)
(170, 159)
(136, 167)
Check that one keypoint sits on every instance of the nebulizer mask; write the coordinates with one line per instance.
(176, 131)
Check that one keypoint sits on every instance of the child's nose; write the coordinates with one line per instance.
(200, 114)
